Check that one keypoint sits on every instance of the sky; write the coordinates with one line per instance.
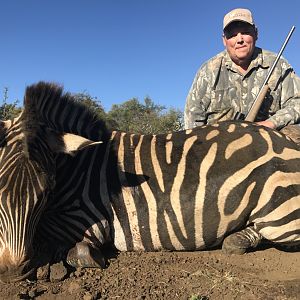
(116, 50)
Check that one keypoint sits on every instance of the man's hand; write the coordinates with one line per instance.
(266, 123)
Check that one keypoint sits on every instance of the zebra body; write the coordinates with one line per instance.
(185, 190)
(181, 191)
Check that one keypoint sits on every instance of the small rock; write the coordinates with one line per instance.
(43, 272)
(74, 287)
(32, 293)
(88, 296)
(58, 272)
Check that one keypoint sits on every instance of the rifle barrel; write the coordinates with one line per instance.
(263, 89)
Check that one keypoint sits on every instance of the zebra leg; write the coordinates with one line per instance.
(239, 242)
(84, 255)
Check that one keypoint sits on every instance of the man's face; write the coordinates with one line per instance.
(239, 39)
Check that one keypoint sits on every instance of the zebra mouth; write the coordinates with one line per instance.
(11, 277)
(10, 274)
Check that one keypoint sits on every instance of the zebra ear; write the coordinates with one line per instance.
(74, 143)
(68, 143)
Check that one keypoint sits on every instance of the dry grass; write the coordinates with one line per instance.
(221, 280)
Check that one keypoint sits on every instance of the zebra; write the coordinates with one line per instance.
(68, 181)
(28, 147)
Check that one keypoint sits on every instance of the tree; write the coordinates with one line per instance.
(91, 102)
(145, 118)
(95, 105)
(8, 111)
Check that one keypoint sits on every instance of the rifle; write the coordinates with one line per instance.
(264, 88)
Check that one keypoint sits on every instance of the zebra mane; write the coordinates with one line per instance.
(46, 104)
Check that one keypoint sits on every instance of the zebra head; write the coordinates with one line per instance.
(28, 147)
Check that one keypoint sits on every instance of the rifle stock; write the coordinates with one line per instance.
(257, 104)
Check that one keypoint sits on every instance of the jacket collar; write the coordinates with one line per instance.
(257, 60)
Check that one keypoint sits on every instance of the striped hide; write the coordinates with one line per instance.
(180, 191)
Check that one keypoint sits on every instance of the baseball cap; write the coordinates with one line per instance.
(238, 14)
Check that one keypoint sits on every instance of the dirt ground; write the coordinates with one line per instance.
(264, 274)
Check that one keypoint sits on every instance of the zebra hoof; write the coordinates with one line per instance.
(239, 242)
(83, 255)
(235, 244)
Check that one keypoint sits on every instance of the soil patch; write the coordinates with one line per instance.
(266, 274)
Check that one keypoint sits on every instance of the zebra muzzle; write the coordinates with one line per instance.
(15, 273)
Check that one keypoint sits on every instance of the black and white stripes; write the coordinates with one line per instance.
(182, 191)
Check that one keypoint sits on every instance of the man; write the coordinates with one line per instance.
(229, 82)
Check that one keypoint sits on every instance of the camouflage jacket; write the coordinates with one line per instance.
(219, 91)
